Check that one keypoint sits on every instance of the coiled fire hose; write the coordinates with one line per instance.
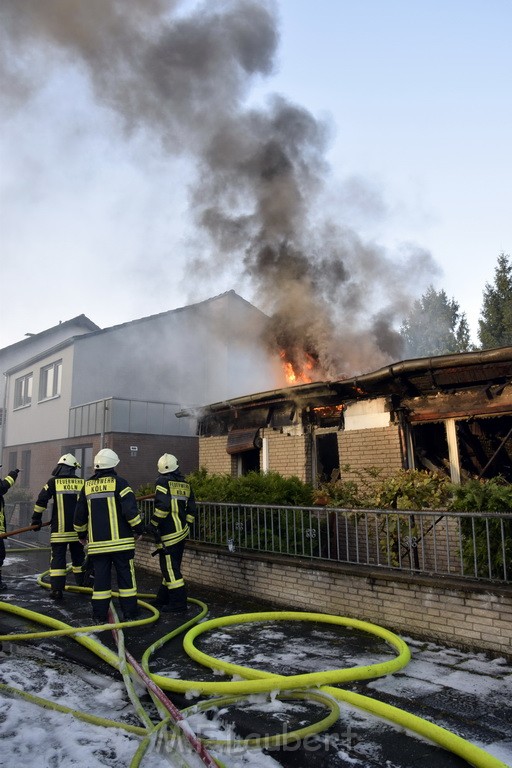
(254, 681)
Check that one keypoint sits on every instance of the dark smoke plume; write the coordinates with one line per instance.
(183, 77)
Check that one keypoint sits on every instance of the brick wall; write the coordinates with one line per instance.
(461, 614)
(141, 468)
(213, 455)
(43, 459)
(362, 448)
(288, 454)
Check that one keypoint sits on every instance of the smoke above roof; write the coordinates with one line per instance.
(182, 73)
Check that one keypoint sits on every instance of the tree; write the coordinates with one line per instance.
(435, 326)
(495, 323)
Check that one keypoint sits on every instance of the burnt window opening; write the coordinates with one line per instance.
(485, 447)
(430, 446)
(328, 416)
(282, 416)
(245, 462)
(327, 457)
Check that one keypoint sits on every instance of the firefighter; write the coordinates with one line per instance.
(174, 511)
(62, 490)
(5, 485)
(107, 517)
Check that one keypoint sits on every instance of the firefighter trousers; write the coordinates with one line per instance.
(58, 562)
(126, 584)
(172, 592)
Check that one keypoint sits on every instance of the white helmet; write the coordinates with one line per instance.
(70, 460)
(167, 463)
(106, 459)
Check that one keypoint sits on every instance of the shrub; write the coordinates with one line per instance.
(486, 543)
(147, 489)
(279, 531)
(253, 488)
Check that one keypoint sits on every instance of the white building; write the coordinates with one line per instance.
(121, 387)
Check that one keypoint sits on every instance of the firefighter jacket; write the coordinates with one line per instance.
(62, 489)
(107, 513)
(5, 485)
(175, 509)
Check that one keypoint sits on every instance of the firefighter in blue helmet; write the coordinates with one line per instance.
(62, 490)
(107, 517)
(174, 512)
(5, 485)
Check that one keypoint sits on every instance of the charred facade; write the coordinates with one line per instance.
(451, 413)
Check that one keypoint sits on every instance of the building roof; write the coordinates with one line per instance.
(196, 307)
(407, 378)
(79, 320)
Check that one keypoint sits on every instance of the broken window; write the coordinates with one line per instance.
(484, 446)
(327, 457)
(430, 446)
(247, 461)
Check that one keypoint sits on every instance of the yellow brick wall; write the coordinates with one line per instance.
(288, 454)
(362, 448)
(213, 455)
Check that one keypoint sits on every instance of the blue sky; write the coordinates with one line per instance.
(420, 95)
(415, 95)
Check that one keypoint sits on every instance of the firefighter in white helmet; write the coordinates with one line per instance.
(62, 490)
(174, 512)
(107, 516)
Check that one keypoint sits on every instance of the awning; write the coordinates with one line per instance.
(243, 440)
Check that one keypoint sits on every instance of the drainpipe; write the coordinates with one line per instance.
(103, 424)
(4, 420)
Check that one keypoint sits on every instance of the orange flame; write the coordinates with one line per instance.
(297, 377)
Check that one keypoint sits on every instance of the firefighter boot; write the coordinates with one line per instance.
(162, 596)
(177, 601)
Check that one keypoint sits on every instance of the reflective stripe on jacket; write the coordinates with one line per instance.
(175, 508)
(107, 513)
(63, 491)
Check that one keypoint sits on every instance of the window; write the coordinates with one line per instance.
(25, 469)
(23, 391)
(242, 463)
(83, 454)
(50, 380)
(327, 457)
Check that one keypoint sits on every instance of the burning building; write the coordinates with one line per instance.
(451, 413)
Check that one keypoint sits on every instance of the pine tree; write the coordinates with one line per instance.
(495, 323)
(435, 326)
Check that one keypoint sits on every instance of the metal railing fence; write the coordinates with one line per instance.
(458, 544)
(18, 514)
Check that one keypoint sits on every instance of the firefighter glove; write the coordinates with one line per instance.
(14, 473)
(36, 521)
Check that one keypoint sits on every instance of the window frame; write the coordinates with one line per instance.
(50, 376)
(23, 386)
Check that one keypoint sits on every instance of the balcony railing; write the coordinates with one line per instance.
(457, 544)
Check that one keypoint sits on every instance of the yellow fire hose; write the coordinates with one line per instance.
(254, 681)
